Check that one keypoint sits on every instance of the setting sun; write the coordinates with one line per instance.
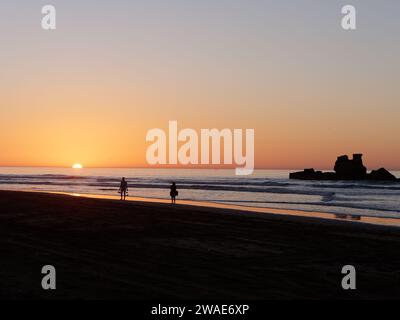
(77, 166)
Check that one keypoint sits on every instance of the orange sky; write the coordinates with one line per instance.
(88, 93)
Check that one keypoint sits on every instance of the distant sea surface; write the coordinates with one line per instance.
(265, 188)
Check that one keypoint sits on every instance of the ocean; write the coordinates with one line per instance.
(265, 188)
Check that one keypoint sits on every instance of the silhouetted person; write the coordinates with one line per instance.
(123, 188)
(173, 193)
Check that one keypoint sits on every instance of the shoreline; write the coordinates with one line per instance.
(384, 221)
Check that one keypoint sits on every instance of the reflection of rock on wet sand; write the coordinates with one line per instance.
(347, 216)
(345, 169)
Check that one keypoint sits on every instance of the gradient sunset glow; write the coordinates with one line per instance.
(91, 89)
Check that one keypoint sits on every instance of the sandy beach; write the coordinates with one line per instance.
(108, 249)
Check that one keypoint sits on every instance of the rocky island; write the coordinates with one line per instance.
(346, 169)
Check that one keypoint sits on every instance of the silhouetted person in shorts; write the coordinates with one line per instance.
(123, 188)
(173, 193)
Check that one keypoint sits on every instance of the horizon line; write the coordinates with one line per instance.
(147, 167)
(162, 167)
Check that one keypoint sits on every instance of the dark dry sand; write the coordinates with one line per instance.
(110, 249)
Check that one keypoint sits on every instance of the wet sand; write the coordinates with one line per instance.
(248, 209)
(108, 249)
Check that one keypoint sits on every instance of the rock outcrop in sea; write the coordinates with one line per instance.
(346, 169)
